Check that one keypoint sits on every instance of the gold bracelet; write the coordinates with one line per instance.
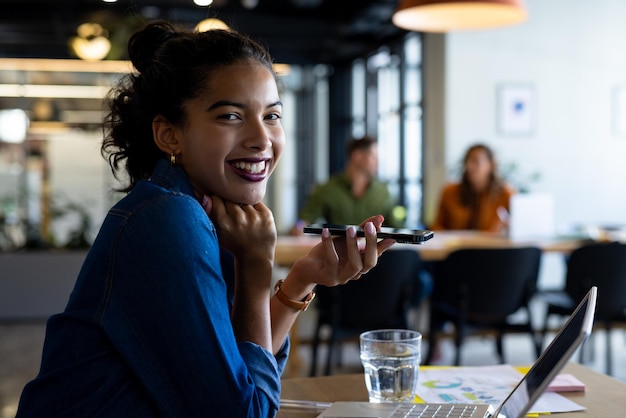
(294, 304)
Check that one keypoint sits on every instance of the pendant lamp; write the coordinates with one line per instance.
(210, 24)
(92, 42)
(451, 15)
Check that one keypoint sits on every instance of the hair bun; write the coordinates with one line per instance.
(143, 45)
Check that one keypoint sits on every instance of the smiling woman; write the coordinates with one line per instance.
(177, 284)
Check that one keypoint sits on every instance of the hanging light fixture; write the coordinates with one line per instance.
(92, 43)
(210, 24)
(13, 125)
(450, 15)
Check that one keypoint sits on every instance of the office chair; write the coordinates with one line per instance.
(598, 264)
(379, 299)
(479, 289)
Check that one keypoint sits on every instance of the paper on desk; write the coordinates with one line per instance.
(482, 384)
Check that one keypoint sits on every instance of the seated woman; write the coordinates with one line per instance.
(480, 201)
(173, 312)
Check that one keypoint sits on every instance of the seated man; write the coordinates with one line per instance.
(346, 196)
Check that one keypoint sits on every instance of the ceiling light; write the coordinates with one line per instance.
(91, 50)
(249, 4)
(13, 125)
(202, 2)
(211, 24)
(450, 15)
(282, 69)
(92, 43)
(65, 65)
(53, 91)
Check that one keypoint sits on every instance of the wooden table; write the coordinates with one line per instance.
(605, 396)
(290, 248)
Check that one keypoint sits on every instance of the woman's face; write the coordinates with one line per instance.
(233, 137)
(478, 168)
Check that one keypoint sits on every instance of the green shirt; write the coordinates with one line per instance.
(333, 202)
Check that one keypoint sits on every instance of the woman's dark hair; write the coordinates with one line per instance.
(172, 67)
(468, 195)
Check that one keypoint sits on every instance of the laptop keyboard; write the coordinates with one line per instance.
(435, 411)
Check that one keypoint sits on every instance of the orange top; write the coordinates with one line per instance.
(451, 214)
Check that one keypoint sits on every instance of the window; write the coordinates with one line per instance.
(386, 103)
(379, 95)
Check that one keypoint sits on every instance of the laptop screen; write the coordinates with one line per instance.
(571, 336)
(532, 216)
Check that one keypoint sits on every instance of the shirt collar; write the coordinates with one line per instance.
(171, 177)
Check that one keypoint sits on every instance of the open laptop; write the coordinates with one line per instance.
(519, 401)
(531, 216)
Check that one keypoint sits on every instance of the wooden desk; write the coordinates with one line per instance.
(290, 248)
(605, 396)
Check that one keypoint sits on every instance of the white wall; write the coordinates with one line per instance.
(573, 52)
(80, 175)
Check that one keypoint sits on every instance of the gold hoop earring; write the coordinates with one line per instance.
(172, 158)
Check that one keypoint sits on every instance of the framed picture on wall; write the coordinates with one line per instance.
(619, 110)
(515, 109)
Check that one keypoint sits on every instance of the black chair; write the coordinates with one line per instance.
(379, 299)
(598, 264)
(480, 289)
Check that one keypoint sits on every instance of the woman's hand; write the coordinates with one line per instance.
(337, 260)
(247, 231)
(332, 262)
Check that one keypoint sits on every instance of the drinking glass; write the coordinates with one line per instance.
(391, 359)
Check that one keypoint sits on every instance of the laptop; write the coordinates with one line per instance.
(570, 337)
(532, 216)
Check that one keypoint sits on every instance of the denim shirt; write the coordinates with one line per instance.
(147, 329)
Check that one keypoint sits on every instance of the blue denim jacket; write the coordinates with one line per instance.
(147, 329)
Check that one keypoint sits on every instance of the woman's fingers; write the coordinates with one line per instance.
(370, 253)
(207, 204)
(354, 266)
(340, 259)
(217, 209)
(329, 247)
(384, 245)
(377, 220)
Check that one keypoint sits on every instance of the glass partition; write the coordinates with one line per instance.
(54, 185)
(387, 101)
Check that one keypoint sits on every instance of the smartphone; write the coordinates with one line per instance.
(404, 235)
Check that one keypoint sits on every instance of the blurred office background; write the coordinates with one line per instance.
(425, 96)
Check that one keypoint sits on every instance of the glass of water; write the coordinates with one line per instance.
(391, 359)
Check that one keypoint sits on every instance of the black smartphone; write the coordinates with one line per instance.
(404, 235)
